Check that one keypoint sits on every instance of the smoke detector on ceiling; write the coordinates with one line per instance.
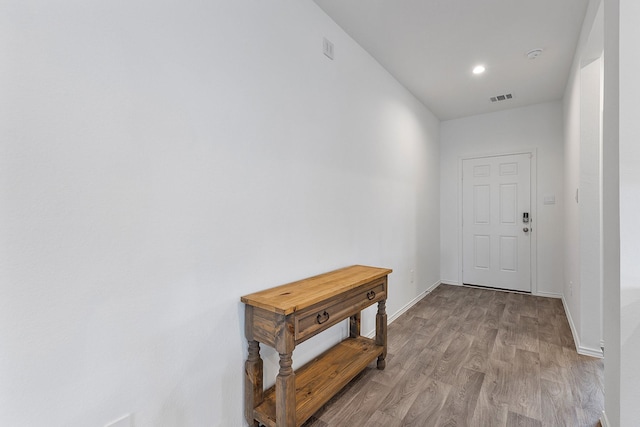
(533, 54)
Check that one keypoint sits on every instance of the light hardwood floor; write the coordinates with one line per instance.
(474, 357)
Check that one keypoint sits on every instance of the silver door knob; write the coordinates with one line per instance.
(526, 229)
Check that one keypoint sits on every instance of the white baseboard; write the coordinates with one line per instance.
(585, 351)
(406, 307)
(548, 294)
(604, 420)
(413, 302)
(450, 282)
(593, 352)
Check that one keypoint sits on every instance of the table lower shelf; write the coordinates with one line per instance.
(323, 377)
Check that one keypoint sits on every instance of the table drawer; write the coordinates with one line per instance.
(317, 319)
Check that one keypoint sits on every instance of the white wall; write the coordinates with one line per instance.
(582, 245)
(571, 280)
(534, 127)
(629, 135)
(590, 203)
(621, 155)
(158, 161)
(611, 236)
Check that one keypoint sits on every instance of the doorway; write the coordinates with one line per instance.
(497, 222)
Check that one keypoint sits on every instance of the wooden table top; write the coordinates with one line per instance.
(286, 299)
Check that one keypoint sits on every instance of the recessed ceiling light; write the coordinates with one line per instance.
(478, 69)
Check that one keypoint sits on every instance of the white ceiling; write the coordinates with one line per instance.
(431, 46)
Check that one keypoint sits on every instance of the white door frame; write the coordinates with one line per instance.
(534, 210)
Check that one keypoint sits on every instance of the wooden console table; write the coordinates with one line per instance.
(284, 316)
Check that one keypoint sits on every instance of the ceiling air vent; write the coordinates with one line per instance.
(499, 98)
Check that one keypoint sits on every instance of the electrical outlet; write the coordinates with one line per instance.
(125, 421)
(412, 276)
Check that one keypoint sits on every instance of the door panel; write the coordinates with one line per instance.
(482, 252)
(508, 253)
(508, 203)
(481, 201)
(496, 247)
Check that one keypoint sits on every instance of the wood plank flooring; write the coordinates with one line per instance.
(475, 357)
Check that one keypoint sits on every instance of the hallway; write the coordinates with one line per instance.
(474, 357)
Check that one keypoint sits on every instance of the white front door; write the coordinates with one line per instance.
(495, 235)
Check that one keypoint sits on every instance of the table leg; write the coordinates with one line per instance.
(381, 332)
(253, 390)
(354, 325)
(286, 393)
